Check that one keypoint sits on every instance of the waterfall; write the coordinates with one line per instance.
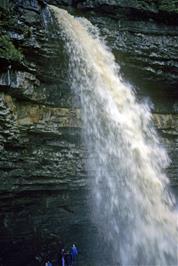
(131, 205)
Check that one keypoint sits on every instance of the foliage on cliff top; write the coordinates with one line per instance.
(9, 51)
(168, 6)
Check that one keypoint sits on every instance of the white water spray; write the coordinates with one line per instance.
(131, 205)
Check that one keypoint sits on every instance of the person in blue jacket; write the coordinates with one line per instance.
(74, 253)
(63, 261)
(48, 263)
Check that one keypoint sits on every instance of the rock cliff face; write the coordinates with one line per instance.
(143, 36)
(43, 182)
(42, 157)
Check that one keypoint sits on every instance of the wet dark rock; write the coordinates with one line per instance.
(32, 5)
(146, 52)
(44, 188)
(159, 10)
(143, 36)
(42, 157)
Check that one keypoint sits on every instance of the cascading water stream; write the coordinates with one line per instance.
(126, 164)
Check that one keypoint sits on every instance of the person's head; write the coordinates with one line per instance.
(73, 245)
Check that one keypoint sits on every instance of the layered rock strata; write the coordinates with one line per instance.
(43, 184)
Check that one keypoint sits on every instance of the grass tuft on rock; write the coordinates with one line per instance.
(9, 51)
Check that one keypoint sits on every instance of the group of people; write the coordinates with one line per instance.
(67, 258)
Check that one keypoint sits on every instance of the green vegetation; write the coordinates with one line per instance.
(8, 50)
(169, 6)
(4, 4)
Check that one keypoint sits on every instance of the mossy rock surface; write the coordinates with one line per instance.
(168, 6)
(8, 50)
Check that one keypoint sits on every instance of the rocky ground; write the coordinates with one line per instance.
(43, 182)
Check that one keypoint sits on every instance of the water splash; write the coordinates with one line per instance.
(47, 18)
(131, 205)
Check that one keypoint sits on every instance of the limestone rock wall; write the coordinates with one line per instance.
(39, 116)
(42, 176)
(43, 184)
(143, 37)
